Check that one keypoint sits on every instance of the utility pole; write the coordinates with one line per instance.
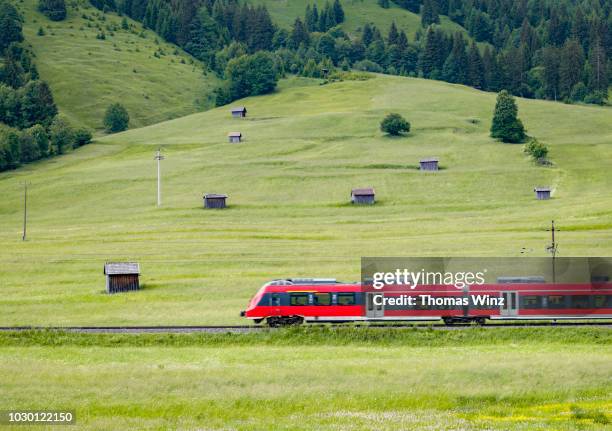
(159, 158)
(25, 209)
(552, 248)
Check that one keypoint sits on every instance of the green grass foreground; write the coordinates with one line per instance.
(317, 378)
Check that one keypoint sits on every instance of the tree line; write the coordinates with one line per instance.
(559, 50)
(30, 128)
(538, 49)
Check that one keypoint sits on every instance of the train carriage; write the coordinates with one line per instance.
(293, 301)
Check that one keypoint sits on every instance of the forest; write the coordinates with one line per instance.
(556, 50)
(30, 127)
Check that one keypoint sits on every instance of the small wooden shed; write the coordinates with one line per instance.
(542, 193)
(234, 137)
(365, 196)
(239, 112)
(121, 276)
(429, 164)
(214, 200)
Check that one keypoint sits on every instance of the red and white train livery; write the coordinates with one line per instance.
(293, 301)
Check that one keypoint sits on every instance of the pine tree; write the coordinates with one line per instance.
(550, 62)
(476, 72)
(455, 67)
(338, 12)
(392, 39)
(570, 67)
(299, 34)
(204, 36)
(506, 125)
(433, 54)
(367, 35)
(260, 30)
(309, 19)
(402, 40)
(598, 73)
(429, 13)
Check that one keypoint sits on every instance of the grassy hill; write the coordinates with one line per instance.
(358, 13)
(305, 147)
(86, 74)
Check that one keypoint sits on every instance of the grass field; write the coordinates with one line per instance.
(357, 13)
(289, 183)
(477, 379)
(87, 74)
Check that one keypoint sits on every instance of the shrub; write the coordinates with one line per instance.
(61, 135)
(597, 98)
(579, 92)
(394, 124)
(82, 137)
(116, 118)
(368, 66)
(536, 150)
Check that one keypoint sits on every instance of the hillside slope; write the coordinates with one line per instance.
(357, 13)
(289, 183)
(86, 74)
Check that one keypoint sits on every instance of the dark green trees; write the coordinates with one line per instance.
(429, 13)
(251, 75)
(394, 125)
(116, 118)
(55, 10)
(10, 25)
(506, 125)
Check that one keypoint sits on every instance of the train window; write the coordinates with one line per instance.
(599, 301)
(580, 301)
(275, 300)
(346, 299)
(532, 301)
(556, 301)
(298, 299)
(322, 298)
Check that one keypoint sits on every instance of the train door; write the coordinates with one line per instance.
(374, 309)
(510, 305)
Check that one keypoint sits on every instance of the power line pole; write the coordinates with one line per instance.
(159, 158)
(25, 209)
(552, 248)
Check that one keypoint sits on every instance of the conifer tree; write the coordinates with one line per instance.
(338, 12)
(429, 13)
(455, 67)
(506, 125)
(392, 39)
(475, 73)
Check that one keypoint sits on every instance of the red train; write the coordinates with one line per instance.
(293, 301)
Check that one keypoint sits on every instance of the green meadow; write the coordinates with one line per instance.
(130, 66)
(326, 379)
(289, 181)
(357, 14)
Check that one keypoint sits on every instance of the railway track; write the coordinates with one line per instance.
(252, 328)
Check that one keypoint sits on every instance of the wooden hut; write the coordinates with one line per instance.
(364, 196)
(121, 276)
(239, 112)
(234, 137)
(214, 200)
(542, 193)
(430, 164)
